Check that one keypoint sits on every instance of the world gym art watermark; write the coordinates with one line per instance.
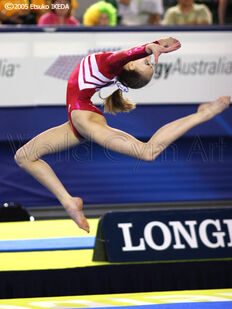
(198, 149)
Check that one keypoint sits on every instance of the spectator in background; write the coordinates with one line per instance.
(224, 11)
(100, 14)
(33, 10)
(59, 15)
(186, 12)
(220, 9)
(74, 5)
(38, 12)
(138, 12)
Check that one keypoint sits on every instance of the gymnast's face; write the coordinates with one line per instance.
(143, 66)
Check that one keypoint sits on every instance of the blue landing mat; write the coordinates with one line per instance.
(196, 305)
(47, 244)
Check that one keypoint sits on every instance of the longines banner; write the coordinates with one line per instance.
(35, 66)
(168, 235)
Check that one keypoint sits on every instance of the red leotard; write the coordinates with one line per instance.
(93, 73)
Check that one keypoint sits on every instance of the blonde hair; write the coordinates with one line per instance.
(116, 103)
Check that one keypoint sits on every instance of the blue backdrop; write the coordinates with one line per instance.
(196, 167)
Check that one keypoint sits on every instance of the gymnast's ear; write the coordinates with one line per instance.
(130, 66)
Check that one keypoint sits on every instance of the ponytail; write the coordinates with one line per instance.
(116, 103)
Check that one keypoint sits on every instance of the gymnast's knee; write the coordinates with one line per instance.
(149, 153)
(149, 157)
(21, 157)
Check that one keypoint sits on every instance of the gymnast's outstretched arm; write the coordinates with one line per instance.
(117, 60)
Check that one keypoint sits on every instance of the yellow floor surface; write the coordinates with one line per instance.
(122, 300)
(45, 259)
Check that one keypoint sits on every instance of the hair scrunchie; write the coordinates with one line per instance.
(122, 87)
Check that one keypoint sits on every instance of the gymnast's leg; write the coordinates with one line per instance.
(94, 126)
(50, 141)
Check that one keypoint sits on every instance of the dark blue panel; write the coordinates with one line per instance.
(196, 167)
(167, 235)
(190, 169)
(24, 123)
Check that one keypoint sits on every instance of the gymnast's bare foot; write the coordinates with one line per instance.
(74, 209)
(211, 109)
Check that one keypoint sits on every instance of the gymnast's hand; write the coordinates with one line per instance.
(166, 46)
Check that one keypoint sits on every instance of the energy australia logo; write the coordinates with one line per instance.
(222, 66)
(8, 69)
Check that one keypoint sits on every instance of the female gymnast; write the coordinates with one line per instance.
(127, 69)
